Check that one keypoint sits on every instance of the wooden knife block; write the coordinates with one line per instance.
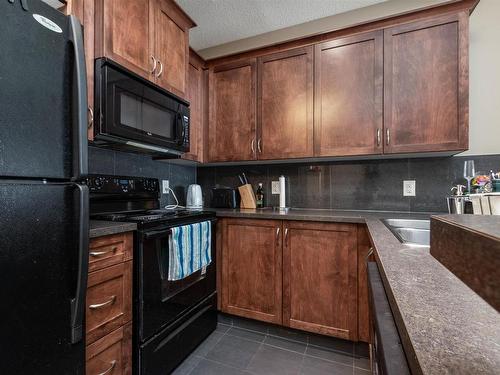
(247, 196)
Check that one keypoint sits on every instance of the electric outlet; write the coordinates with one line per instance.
(164, 187)
(275, 187)
(409, 188)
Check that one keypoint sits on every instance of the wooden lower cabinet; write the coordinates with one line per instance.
(320, 278)
(109, 306)
(112, 354)
(251, 269)
(303, 275)
(364, 321)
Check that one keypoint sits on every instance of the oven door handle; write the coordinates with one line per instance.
(166, 231)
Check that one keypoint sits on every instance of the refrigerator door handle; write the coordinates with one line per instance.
(78, 302)
(80, 144)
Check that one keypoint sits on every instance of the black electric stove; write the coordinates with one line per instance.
(133, 199)
(170, 318)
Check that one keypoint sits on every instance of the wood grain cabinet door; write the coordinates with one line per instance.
(349, 96)
(285, 104)
(194, 94)
(320, 278)
(252, 269)
(171, 35)
(426, 85)
(126, 32)
(232, 112)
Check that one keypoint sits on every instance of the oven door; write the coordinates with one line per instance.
(133, 109)
(161, 301)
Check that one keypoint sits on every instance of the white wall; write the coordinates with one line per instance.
(484, 79)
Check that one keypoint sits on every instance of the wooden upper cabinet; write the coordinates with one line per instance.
(232, 111)
(285, 104)
(426, 85)
(126, 33)
(349, 96)
(171, 46)
(320, 278)
(195, 95)
(252, 269)
(148, 37)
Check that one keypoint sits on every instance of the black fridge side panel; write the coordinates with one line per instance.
(39, 128)
(39, 273)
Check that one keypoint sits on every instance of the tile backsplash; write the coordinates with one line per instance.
(357, 185)
(104, 161)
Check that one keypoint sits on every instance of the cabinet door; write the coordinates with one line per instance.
(232, 110)
(251, 269)
(348, 96)
(320, 278)
(171, 47)
(194, 94)
(426, 85)
(285, 105)
(126, 34)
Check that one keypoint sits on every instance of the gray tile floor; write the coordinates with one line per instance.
(241, 346)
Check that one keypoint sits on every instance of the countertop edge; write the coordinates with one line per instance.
(99, 228)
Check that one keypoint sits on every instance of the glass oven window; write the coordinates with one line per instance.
(157, 120)
(130, 110)
(146, 116)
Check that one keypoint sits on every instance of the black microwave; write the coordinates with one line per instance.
(133, 114)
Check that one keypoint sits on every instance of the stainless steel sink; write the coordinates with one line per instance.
(410, 232)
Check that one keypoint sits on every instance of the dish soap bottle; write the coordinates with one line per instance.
(259, 196)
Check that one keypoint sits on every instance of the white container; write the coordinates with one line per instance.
(486, 204)
(194, 199)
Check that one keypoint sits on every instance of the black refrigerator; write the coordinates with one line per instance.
(44, 221)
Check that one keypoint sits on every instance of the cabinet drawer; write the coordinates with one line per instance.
(112, 354)
(109, 300)
(109, 250)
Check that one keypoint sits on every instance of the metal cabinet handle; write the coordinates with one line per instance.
(91, 118)
(99, 253)
(252, 146)
(155, 63)
(258, 146)
(100, 305)
(113, 364)
(388, 136)
(378, 137)
(277, 235)
(161, 69)
(286, 236)
(370, 252)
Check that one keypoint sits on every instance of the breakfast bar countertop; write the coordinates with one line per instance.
(445, 327)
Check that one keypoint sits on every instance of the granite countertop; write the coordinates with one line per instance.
(487, 225)
(445, 327)
(100, 228)
(302, 214)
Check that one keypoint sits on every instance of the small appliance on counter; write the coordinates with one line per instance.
(459, 203)
(194, 199)
(225, 198)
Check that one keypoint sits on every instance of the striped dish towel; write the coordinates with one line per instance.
(189, 249)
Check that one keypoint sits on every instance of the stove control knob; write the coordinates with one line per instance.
(98, 182)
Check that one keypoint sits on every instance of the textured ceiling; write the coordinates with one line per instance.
(223, 21)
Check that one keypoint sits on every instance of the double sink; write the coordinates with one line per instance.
(410, 232)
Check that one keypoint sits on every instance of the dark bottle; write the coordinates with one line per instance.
(259, 196)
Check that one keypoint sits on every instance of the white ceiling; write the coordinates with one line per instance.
(223, 21)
